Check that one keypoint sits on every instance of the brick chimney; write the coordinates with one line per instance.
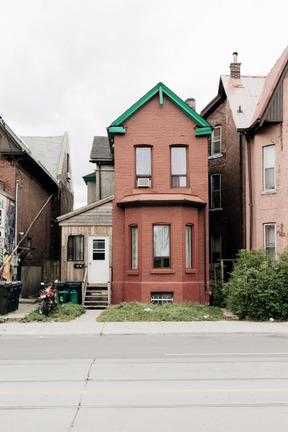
(191, 102)
(235, 67)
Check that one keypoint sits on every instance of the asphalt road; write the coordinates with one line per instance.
(231, 382)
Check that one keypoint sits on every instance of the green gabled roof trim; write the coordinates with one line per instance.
(117, 129)
(203, 131)
(162, 90)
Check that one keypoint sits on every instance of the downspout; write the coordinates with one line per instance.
(250, 191)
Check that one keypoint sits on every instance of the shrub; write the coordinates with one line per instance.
(258, 286)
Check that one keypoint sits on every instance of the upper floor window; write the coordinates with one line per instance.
(178, 166)
(270, 239)
(161, 246)
(75, 248)
(269, 168)
(216, 141)
(143, 166)
(215, 199)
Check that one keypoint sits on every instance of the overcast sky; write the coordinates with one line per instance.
(76, 65)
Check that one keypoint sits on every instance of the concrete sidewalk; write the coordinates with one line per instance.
(87, 325)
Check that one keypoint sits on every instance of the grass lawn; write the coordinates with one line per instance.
(65, 312)
(135, 311)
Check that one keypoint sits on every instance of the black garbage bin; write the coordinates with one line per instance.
(5, 291)
(16, 290)
(75, 286)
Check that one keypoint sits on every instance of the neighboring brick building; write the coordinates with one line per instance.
(37, 175)
(248, 162)
(160, 214)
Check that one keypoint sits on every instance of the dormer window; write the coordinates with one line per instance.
(216, 141)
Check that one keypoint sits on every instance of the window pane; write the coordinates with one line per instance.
(75, 248)
(270, 240)
(216, 191)
(178, 160)
(188, 246)
(161, 241)
(98, 244)
(216, 140)
(134, 248)
(269, 167)
(143, 161)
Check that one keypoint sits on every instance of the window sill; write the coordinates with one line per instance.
(133, 273)
(216, 156)
(269, 192)
(162, 271)
(190, 271)
(216, 209)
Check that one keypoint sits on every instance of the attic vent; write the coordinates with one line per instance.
(143, 182)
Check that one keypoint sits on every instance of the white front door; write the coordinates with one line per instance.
(98, 259)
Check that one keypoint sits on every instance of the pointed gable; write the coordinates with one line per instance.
(270, 106)
(118, 127)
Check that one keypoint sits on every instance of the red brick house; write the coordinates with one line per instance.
(160, 211)
(248, 162)
(35, 174)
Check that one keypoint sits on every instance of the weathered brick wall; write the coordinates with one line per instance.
(227, 221)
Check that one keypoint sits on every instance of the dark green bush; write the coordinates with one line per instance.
(258, 286)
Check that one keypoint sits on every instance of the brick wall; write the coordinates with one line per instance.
(159, 127)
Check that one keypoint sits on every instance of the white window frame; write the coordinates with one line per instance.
(269, 165)
(273, 246)
(188, 241)
(218, 140)
(159, 248)
(213, 191)
(142, 173)
(134, 247)
(178, 179)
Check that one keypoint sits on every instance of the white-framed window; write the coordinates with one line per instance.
(143, 166)
(178, 166)
(216, 146)
(216, 248)
(270, 239)
(269, 168)
(215, 189)
(134, 247)
(75, 248)
(161, 246)
(188, 246)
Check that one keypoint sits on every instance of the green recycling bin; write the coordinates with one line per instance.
(73, 296)
(63, 296)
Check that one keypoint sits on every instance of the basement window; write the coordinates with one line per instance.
(161, 297)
